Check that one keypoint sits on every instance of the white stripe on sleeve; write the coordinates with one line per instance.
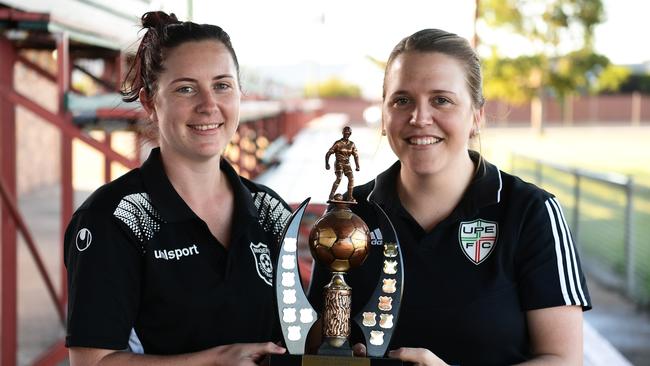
(558, 255)
(576, 272)
(567, 252)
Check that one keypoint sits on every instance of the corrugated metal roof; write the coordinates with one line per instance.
(112, 25)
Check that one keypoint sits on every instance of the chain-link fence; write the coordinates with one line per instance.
(609, 216)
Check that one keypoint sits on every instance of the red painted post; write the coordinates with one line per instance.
(258, 127)
(138, 149)
(271, 128)
(52, 356)
(63, 86)
(118, 69)
(107, 160)
(109, 75)
(112, 70)
(8, 253)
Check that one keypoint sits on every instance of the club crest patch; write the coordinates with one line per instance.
(477, 239)
(263, 262)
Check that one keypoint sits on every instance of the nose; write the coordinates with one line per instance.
(422, 115)
(207, 102)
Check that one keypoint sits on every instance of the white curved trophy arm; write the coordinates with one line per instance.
(296, 313)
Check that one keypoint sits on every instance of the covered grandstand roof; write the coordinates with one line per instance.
(89, 23)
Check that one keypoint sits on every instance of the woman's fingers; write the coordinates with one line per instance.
(419, 356)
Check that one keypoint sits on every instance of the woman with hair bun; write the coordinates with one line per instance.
(172, 263)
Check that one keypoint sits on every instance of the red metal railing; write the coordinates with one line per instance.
(8, 251)
(12, 220)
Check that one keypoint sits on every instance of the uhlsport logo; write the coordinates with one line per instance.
(477, 239)
(263, 263)
(176, 254)
(83, 240)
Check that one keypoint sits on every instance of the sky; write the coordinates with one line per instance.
(298, 41)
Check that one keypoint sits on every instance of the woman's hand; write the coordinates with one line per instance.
(241, 354)
(245, 354)
(419, 356)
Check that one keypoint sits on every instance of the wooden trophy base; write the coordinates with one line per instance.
(318, 360)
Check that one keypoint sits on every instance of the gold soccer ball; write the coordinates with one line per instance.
(339, 240)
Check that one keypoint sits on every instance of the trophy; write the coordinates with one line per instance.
(339, 240)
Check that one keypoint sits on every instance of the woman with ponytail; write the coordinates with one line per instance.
(491, 276)
(171, 264)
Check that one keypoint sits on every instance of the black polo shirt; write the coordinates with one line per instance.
(145, 272)
(504, 250)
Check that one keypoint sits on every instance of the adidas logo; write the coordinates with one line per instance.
(376, 238)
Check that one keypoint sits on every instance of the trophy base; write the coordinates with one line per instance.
(344, 350)
(316, 360)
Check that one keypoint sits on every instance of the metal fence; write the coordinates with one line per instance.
(610, 219)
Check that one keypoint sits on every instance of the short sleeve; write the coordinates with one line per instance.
(273, 213)
(547, 264)
(104, 266)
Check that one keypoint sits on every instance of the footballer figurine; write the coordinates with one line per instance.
(342, 149)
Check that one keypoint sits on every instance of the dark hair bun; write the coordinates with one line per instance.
(158, 19)
(164, 32)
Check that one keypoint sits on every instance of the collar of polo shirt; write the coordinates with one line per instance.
(171, 206)
(484, 190)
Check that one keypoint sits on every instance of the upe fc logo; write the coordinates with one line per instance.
(477, 239)
(263, 262)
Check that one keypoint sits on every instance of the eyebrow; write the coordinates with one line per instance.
(218, 77)
(434, 91)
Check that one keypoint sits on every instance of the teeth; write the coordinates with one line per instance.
(429, 140)
(204, 127)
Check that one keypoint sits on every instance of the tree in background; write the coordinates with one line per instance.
(635, 83)
(561, 60)
(332, 88)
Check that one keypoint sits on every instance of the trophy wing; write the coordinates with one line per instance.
(295, 312)
(378, 318)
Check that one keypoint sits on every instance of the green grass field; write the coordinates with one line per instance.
(624, 150)
(600, 227)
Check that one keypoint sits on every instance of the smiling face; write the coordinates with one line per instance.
(196, 104)
(427, 112)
